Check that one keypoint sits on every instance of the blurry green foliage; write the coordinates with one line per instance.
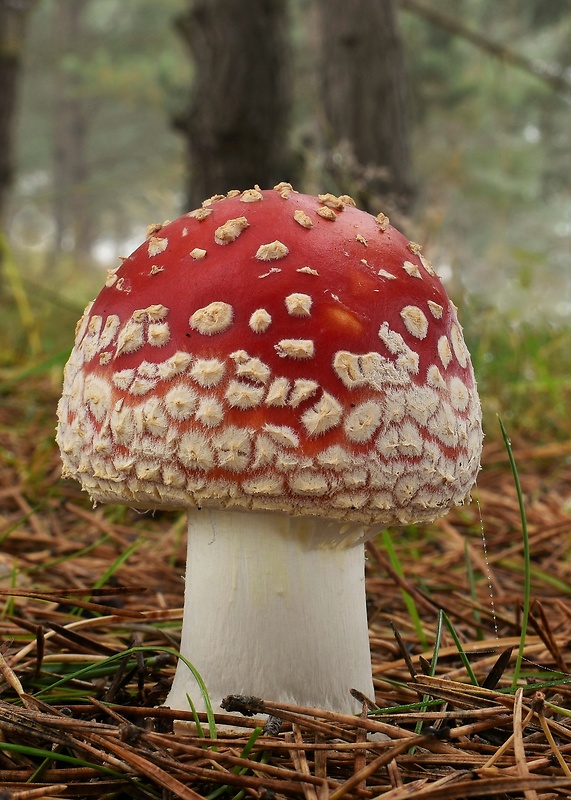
(493, 155)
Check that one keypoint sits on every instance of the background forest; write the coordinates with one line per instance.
(98, 155)
(470, 153)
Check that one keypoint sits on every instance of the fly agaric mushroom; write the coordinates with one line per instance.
(290, 371)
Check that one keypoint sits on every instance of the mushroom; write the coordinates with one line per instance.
(289, 370)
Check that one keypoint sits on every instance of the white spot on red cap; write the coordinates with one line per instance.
(123, 378)
(302, 218)
(295, 348)
(302, 390)
(194, 451)
(207, 372)
(272, 251)
(210, 412)
(214, 318)
(211, 200)
(427, 264)
(251, 196)
(327, 413)
(131, 338)
(264, 451)
(158, 334)
(233, 448)
(435, 309)
(272, 271)
(147, 369)
(412, 269)
(154, 419)
(111, 277)
(327, 213)
(362, 422)
(265, 485)
(174, 365)
(444, 351)
(277, 392)
(153, 313)
(284, 189)
(122, 426)
(309, 484)
(142, 386)
(282, 434)
(459, 394)
(421, 403)
(109, 331)
(406, 357)
(388, 275)
(415, 321)
(243, 395)
(298, 304)
(180, 401)
(443, 425)
(334, 457)
(382, 221)
(331, 201)
(458, 345)
(200, 213)
(156, 246)
(97, 396)
(198, 253)
(250, 367)
(260, 320)
(230, 231)
(434, 377)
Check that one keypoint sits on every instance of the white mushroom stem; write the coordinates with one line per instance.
(274, 607)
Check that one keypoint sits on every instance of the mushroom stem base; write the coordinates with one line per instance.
(274, 607)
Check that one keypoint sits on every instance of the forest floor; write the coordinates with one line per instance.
(468, 706)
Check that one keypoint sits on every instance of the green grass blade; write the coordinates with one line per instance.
(408, 599)
(197, 722)
(237, 770)
(110, 571)
(433, 662)
(68, 556)
(53, 755)
(91, 668)
(526, 558)
(461, 651)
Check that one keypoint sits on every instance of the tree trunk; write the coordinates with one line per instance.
(236, 127)
(364, 96)
(13, 24)
(70, 171)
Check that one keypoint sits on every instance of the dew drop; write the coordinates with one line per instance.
(488, 570)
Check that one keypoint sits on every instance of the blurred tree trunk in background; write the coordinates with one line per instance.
(236, 128)
(73, 230)
(365, 102)
(13, 24)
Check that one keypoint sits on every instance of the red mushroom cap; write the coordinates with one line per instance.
(274, 351)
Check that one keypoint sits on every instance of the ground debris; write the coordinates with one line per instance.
(90, 611)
